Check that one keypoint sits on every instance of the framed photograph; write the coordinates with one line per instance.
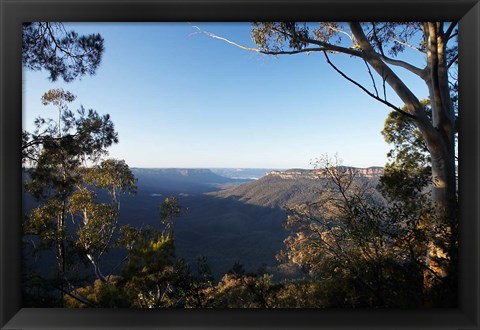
(239, 164)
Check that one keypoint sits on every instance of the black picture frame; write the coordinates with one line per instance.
(14, 12)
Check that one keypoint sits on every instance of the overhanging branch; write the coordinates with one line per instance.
(371, 77)
(450, 29)
(323, 46)
(366, 90)
(214, 36)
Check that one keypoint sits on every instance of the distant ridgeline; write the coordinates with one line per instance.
(369, 172)
(288, 188)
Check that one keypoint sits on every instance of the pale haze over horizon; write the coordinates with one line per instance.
(180, 99)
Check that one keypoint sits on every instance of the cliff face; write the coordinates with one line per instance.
(371, 172)
(293, 174)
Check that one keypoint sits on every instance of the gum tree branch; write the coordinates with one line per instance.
(452, 61)
(371, 77)
(366, 90)
(415, 70)
(323, 46)
(451, 27)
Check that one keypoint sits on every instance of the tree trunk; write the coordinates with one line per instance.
(441, 251)
(438, 133)
(444, 221)
(61, 250)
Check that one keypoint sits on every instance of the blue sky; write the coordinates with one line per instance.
(180, 99)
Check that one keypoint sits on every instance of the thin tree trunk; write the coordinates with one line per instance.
(61, 251)
(96, 267)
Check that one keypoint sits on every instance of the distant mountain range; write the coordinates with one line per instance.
(369, 172)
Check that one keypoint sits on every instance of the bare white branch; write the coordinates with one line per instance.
(211, 35)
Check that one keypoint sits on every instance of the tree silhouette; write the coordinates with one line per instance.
(64, 54)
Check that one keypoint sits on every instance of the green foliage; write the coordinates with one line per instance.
(64, 54)
(147, 249)
(408, 172)
(149, 271)
(150, 275)
(56, 152)
(194, 289)
(98, 221)
(112, 175)
(395, 36)
(169, 210)
(238, 289)
(43, 222)
(100, 294)
(266, 35)
(65, 143)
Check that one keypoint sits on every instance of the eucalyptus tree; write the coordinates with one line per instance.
(80, 137)
(379, 47)
(98, 221)
(57, 156)
(169, 210)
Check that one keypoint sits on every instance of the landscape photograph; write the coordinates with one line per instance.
(240, 165)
